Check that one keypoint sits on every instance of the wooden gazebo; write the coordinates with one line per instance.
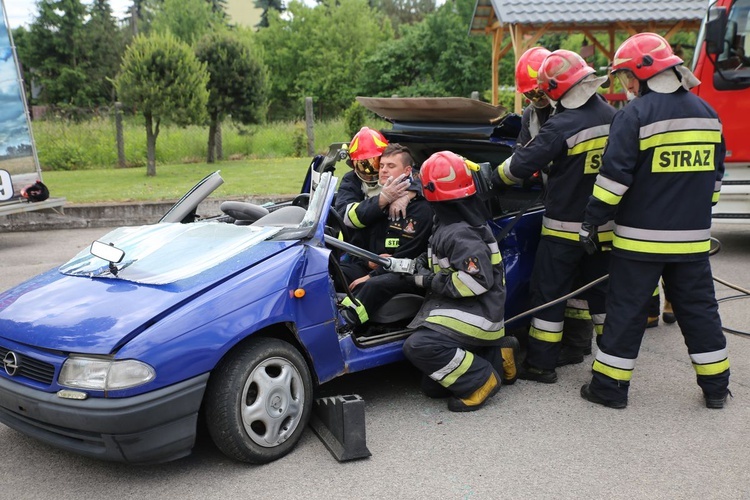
(526, 22)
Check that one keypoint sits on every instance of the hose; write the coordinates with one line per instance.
(715, 248)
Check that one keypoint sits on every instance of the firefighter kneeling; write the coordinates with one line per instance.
(661, 173)
(459, 343)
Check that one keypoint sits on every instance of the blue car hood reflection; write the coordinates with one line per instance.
(79, 313)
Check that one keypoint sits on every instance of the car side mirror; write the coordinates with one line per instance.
(716, 28)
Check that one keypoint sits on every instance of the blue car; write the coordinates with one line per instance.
(233, 318)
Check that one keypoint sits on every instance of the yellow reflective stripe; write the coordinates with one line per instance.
(352, 214)
(589, 145)
(656, 292)
(462, 368)
(715, 197)
(503, 176)
(606, 196)
(599, 329)
(606, 236)
(660, 247)
(573, 313)
(611, 372)
(712, 368)
(683, 137)
(496, 258)
(560, 234)
(359, 308)
(545, 336)
(462, 289)
(466, 328)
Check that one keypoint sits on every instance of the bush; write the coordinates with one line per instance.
(354, 118)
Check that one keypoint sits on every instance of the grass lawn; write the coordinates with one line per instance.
(282, 176)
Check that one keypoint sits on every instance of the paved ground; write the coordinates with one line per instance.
(532, 440)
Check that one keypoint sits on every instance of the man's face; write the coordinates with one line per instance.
(393, 166)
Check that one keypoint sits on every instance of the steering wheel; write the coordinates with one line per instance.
(301, 200)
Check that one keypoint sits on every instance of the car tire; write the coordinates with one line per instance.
(259, 400)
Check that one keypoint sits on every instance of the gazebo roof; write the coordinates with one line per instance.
(567, 14)
(526, 21)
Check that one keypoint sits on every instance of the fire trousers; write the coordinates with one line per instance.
(691, 290)
(557, 267)
(458, 366)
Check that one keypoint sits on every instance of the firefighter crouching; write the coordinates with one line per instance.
(459, 342)
(661, 173)
(571, 143)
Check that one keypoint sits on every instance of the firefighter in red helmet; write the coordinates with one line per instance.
(539, 107)
(661, 174)
(569, 146)
(577, 328)
(459, 343)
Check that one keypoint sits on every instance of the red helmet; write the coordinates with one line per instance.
(365, 149)
(367, 143)
(527, 68)
(560, 71)
(446, 177)
(645, 55)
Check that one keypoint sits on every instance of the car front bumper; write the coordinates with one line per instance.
(154, 427)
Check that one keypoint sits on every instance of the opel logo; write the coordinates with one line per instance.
(10, 363)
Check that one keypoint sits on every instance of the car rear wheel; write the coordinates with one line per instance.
(259, 400)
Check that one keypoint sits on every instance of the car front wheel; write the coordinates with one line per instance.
(259, 400)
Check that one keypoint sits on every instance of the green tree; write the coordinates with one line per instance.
(320, 52)
(105, 44)
(237, 82)
(403, 12)
(435, 57)
(56, 50)
(266, 6)
(162, 78)
(188, 20)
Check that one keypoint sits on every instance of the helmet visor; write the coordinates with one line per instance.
(367, 169)
(535, 95)
(625, 77)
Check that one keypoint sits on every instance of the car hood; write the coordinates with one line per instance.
(84, 313)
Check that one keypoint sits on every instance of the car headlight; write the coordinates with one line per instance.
(104, 374)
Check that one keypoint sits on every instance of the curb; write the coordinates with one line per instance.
(78, 216)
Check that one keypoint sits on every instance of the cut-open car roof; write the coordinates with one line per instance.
(434, 109)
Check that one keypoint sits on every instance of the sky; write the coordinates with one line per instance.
(22, 12)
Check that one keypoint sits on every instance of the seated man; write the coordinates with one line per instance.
(401, 235)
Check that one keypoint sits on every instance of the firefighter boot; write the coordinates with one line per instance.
(593, 398)
(570, 355)
(537, 374)
(478, 398)
(716, 401)
(509, 348)
(668, 315)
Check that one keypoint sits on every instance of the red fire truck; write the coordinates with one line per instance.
(723, 66)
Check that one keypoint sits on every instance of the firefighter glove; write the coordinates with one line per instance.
(589, 237)
(421, 265)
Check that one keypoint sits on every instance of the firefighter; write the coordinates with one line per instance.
(360, 188)
(571, 144)
(403, 237)
(577, 327)
(459, 343)
(539, 109)
(661, 174)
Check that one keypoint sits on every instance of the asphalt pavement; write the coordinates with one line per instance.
(532, 440)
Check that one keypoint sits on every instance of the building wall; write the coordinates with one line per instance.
(243, 12)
